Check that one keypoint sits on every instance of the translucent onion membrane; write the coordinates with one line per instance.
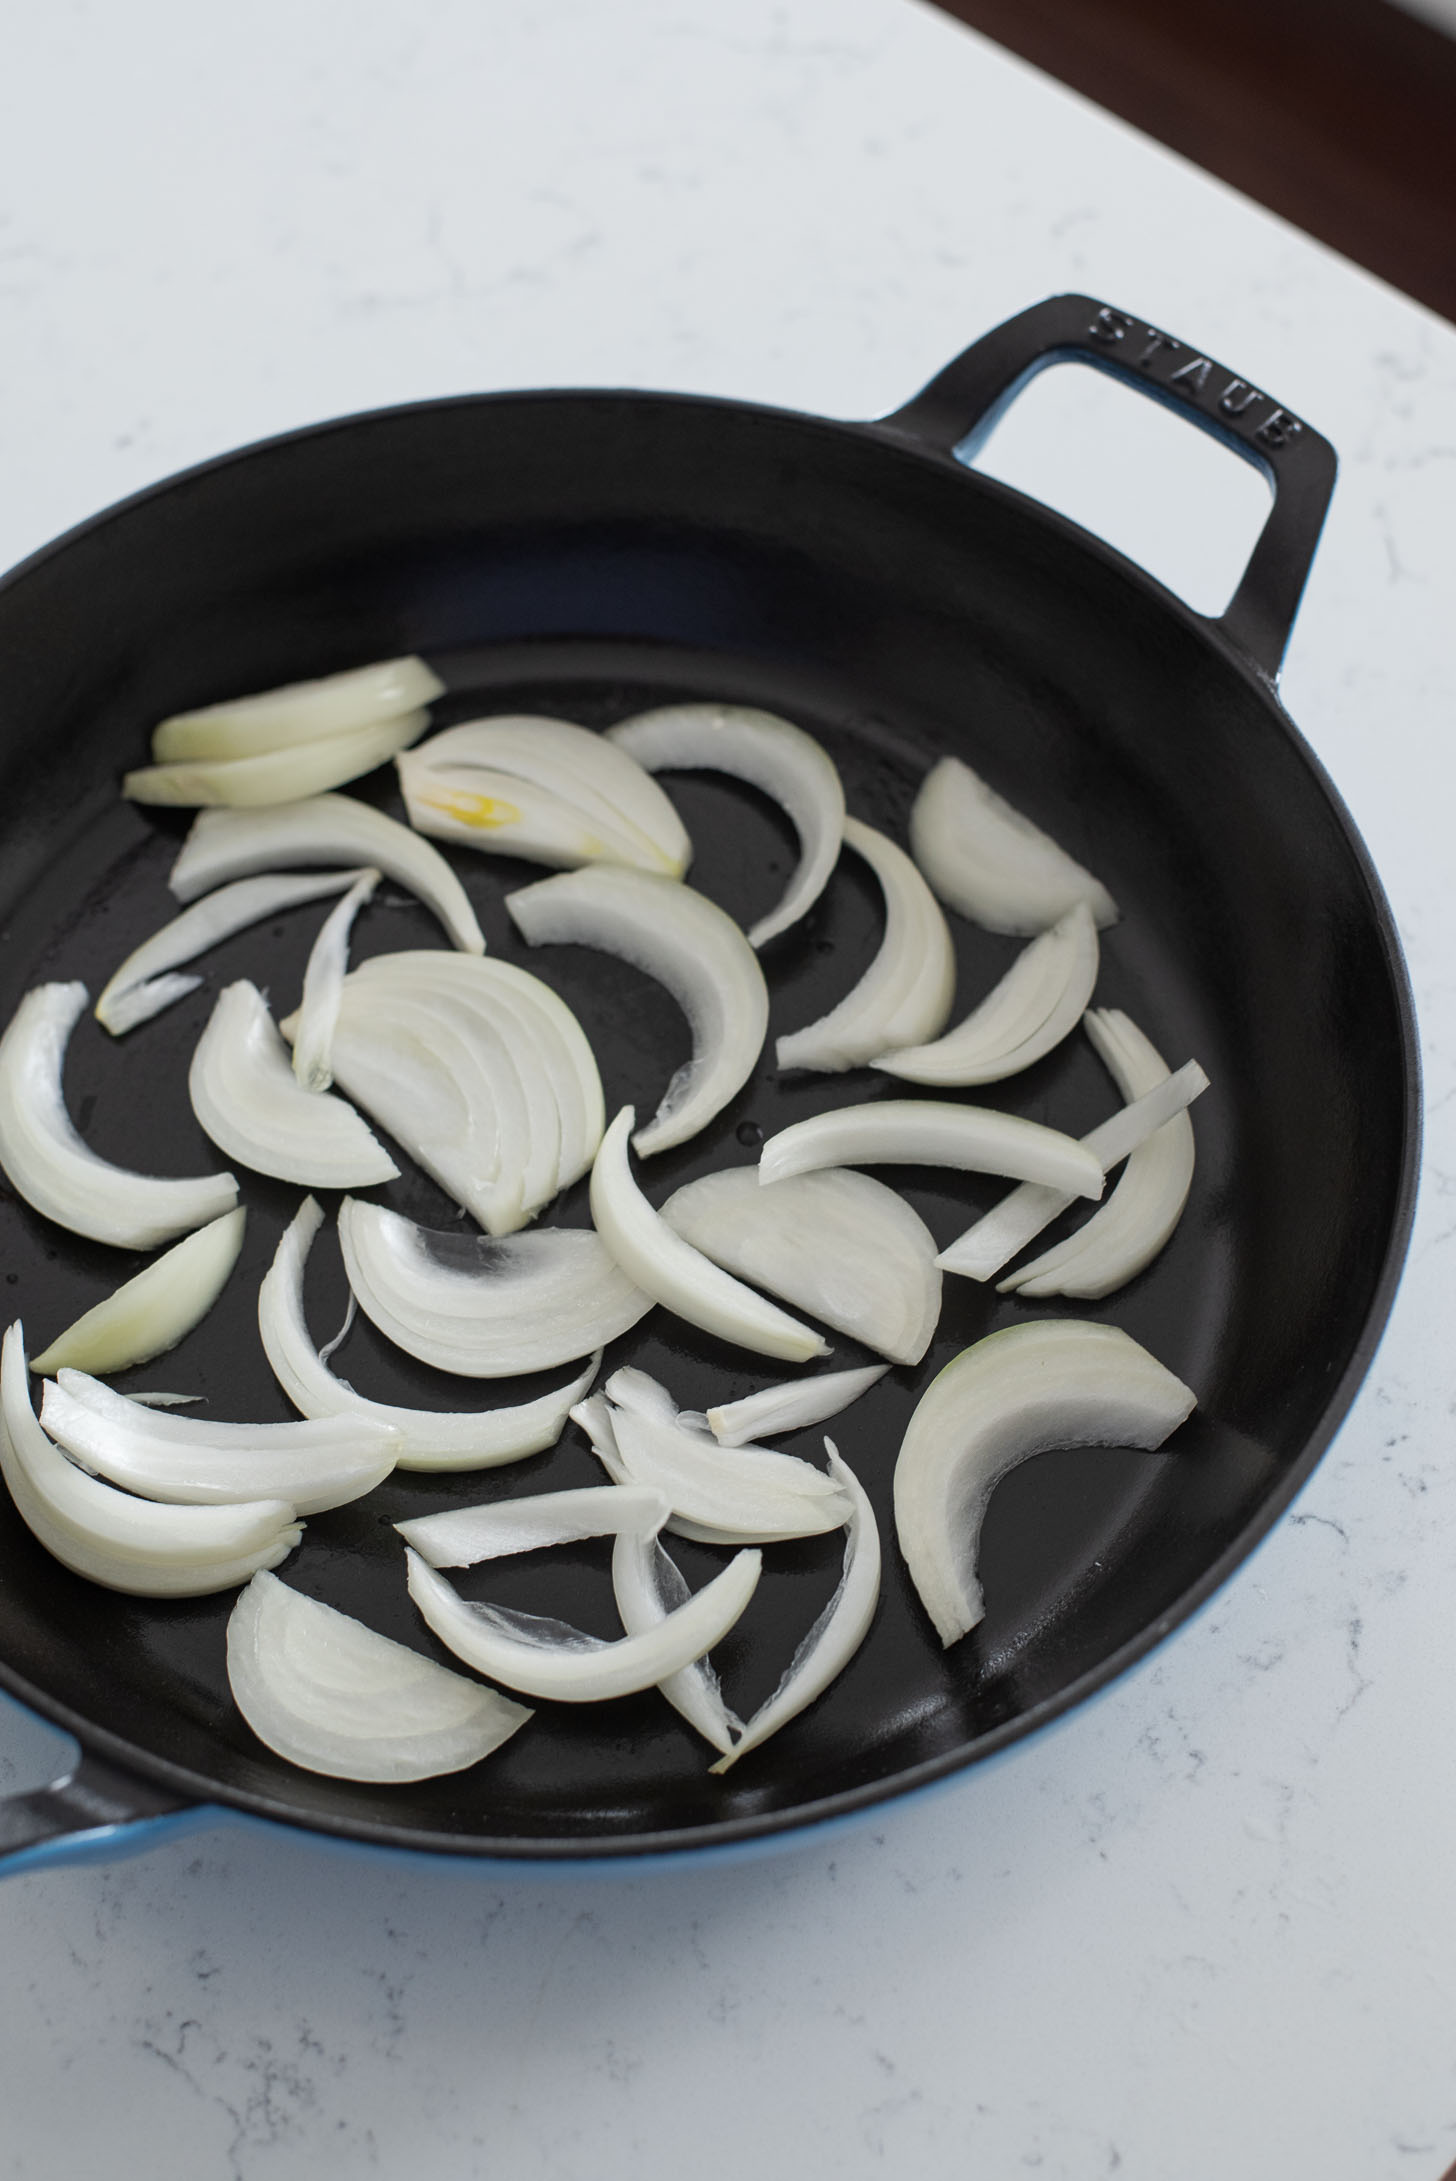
(191, 1461)
(769, 753)
(329, 1694)
(298, 712)
(276, 776)
(925, 1132)
(987, 860)
(1127, 1232)
(330, 829)
(111, 1538)
(143, 985)
(789, 1407)
(906, 993)
(649, 1586)
(548, 1658)
(984, 1248)
(543, 789)
(466, 1439)
(1037, 1003)
(149, 1314)
(462, 1537)
(838, 1632)
(662, 1265)
(323, 985)
(48, 1164)
(836, 1244)
(486, 1309)
(689, 945)
(246, 1097)
(1058, 1382)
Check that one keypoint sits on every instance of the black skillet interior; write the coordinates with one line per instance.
(588, 556)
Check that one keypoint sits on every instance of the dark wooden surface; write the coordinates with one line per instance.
(1338, 114)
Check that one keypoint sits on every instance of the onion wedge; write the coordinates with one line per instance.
(275, 776)
(51, 1167)
(246, 1097)
(229, 844)
(430, 1439)
(836, 1244)
(323, 985)
(298, 712)
(149, 1314)
(770, 754)
(648, 1585)
(672, 1272)
(1058, 1382)
(486, 1309)
(1036, 1004)
(906, 993)
(792, 1406)
(840, 1629)
(689, 945)
(111, 1538)
(329, 1694)
(462, 1537)
(545, 1658)
(991, 863)
(926, 1132)
(192, 1462)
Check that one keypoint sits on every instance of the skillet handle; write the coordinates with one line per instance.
(94, 1811)
(963, 403)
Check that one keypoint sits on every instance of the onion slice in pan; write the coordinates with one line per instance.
(1037, 1003)
(275, 776)
(150, 1313)
(51, 1167)
(792, 1406)
(461, 1537)
(329, 1694)
(929, 1132)
(323, 984)
(986, 859)
(298, 712)
(648, 1585)
(1057, 1382)
(770, 754)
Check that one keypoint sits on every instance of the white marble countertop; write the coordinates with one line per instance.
(1205, 1927)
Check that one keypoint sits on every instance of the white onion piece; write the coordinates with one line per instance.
(49, 1165)
(595, 1418)
(246, 1097)
(140, 989)
(1059, 1382)
(987, 860)
(276, 776)
(648, 1586)
(486, 1309)
(672, 1272)
(906, 993)
(228, 844)
(1037, 1003)
(430, 1439)
(298, 712)
(323, 984)
(792, 1406)
(928, 1132)
(546, 1658)
(499, 814)
(836, 1244)
(462, 1537)
(838, 1632)
(770, 754)
(748, 1492)
(155, 1398)
(686, 943)
(150, 1313)
(112, 1538)
(191, 1461)
(984, 1248)
(333, 1696)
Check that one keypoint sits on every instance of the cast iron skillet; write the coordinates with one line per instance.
(590, 554)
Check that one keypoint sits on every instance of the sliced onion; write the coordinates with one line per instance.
(462, 1537)
(769, 753)
(190, 1461)
(245, 1096)
(323, 985)
(687, 943)
(836, 1244)
(905, 995)
(228, 844)
(327, 1693)
(1058, 1382)
(987, 860)
(110, 1537)
(141, 989)
(1037, 1003)
(792, 1406)
(48, 1164)
(152, 1312)
(298, 712)
(672, 1272)
(276, 776)
(927, 1132)
(649, 1585)
(430, 1439)
(486, 1309)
